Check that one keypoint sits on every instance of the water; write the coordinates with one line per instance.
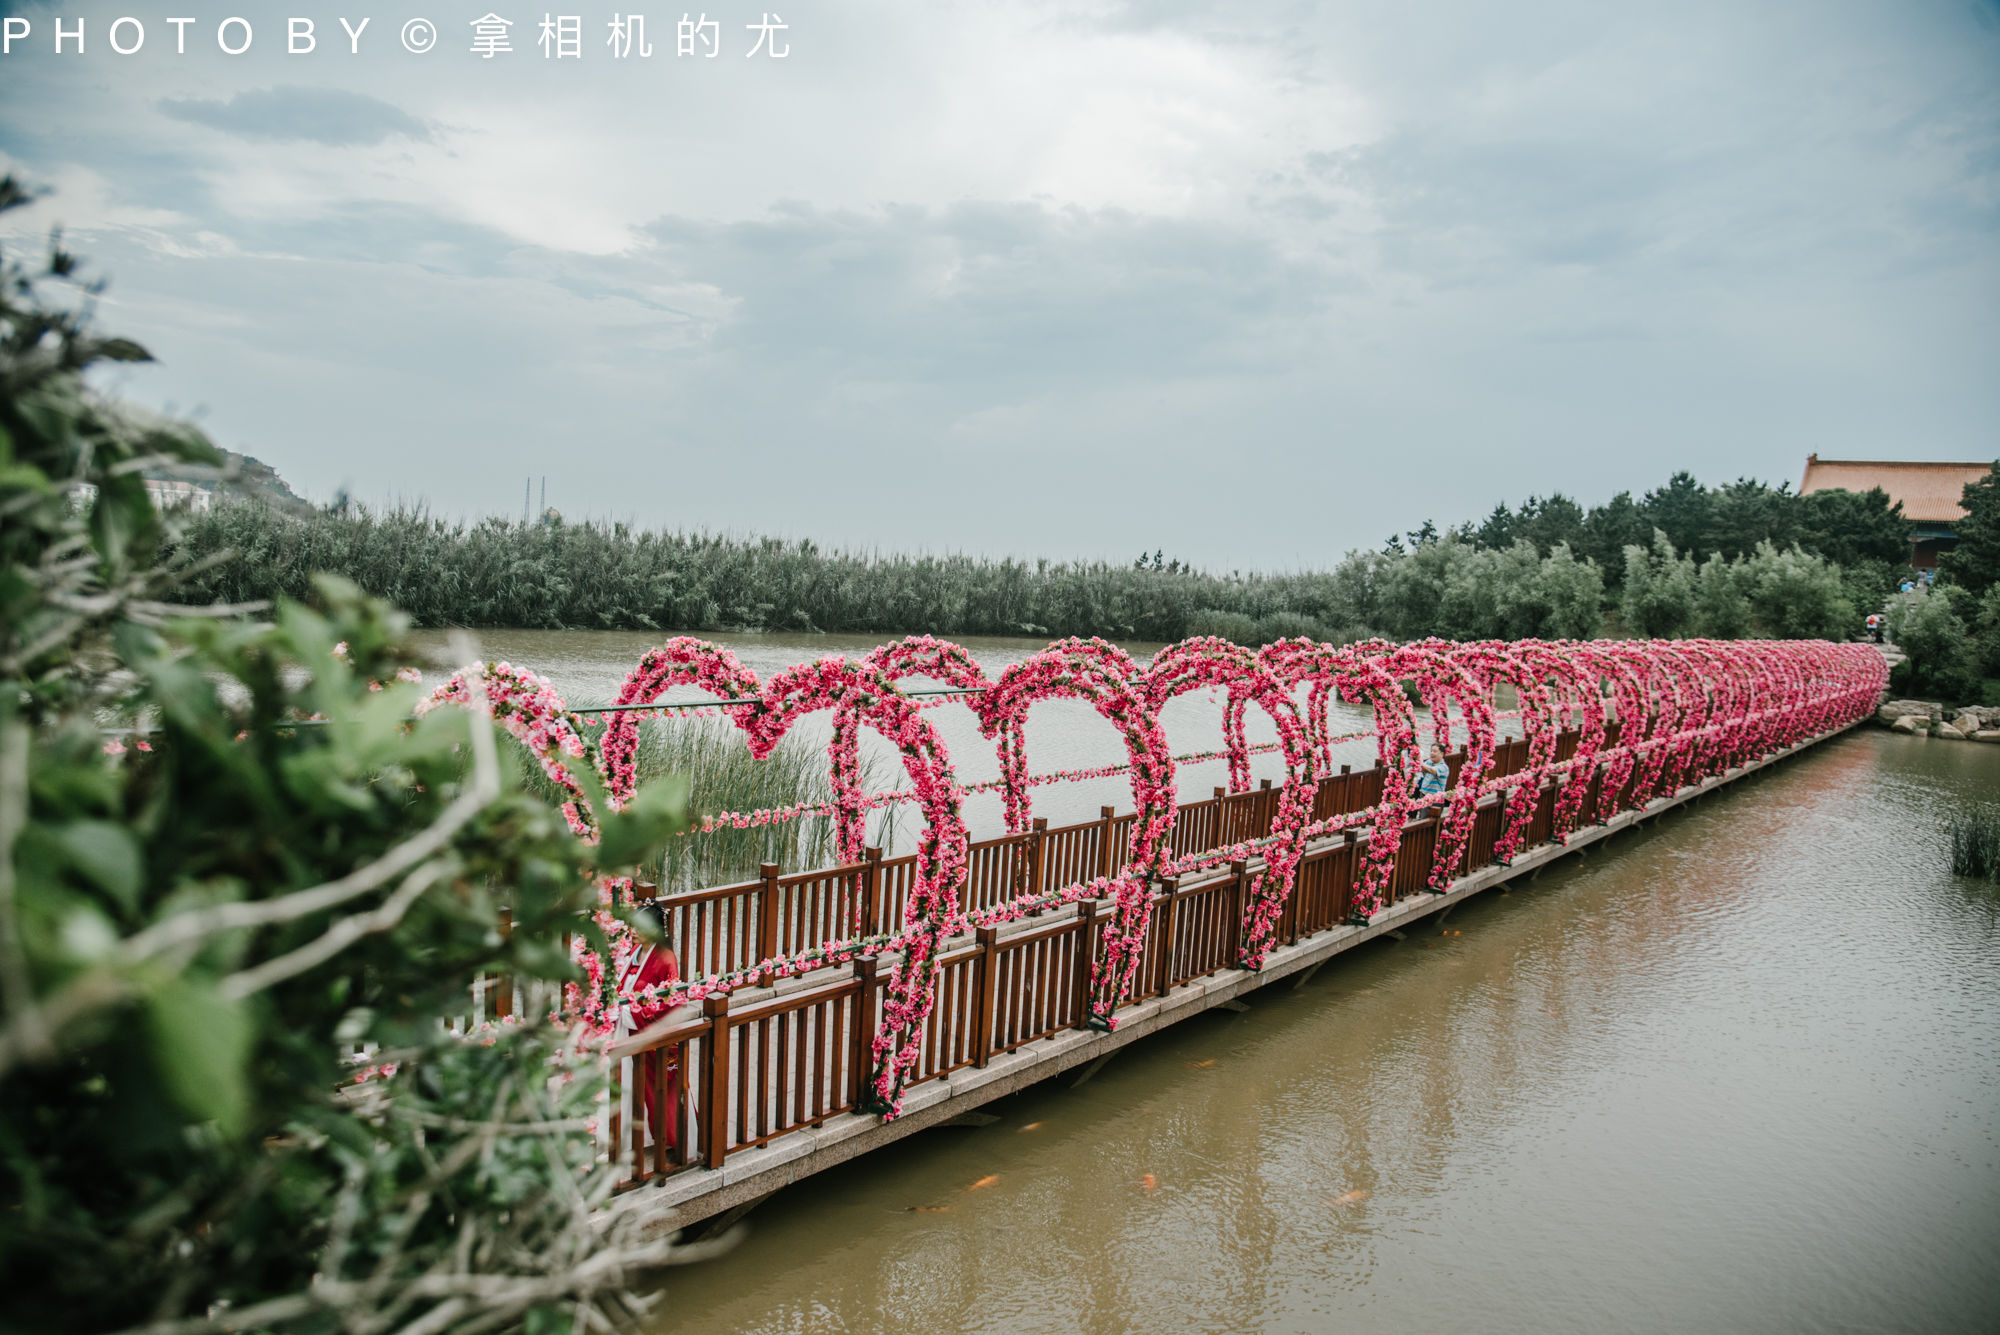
(1738, 1072)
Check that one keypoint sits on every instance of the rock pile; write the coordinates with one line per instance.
(1978, 723)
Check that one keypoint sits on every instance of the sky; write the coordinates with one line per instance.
(1252, 284)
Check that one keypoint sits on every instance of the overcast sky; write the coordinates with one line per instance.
(1252, 283)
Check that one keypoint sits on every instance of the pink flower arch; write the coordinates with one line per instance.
(1105, 677)
(1206, 661)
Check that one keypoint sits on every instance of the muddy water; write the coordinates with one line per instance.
(1740, 1071)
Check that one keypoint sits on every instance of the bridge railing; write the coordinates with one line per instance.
(793, 970)
(751, 1068)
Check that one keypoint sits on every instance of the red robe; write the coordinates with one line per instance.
(658, 968)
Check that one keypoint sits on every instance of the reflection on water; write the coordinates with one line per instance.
(1740, 1071)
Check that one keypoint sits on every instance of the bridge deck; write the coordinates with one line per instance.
(750, 1172)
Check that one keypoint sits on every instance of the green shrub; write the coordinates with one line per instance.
(1659, 591)
(195, 932)
(1942, 661)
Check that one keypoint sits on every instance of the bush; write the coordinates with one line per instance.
(200, 923)
(1722, 599)
(1942, 661)
(1658, 600)
(1798, 596)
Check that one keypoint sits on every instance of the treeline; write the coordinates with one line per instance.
(1854, 530)
(498, 572)
(1550, 568)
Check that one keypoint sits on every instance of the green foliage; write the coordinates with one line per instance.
(1853, 530)
(1798, 596)
(1722, 599)
(195, 930)
(1986, 630)
(1975, 561)
(710, 754)
(1659, 591)
(1856, 529)
(1452, 589)
(1942, 662)
(1975, 843)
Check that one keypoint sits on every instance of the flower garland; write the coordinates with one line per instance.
(869, 694)
(528, 708)
(1441, 681)
(1207, 661)
(1104, 676)
(1358, 678)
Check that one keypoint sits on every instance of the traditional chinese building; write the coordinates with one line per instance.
(1929, 493)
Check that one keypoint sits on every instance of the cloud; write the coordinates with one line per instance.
(332, 116)
(1053, 278)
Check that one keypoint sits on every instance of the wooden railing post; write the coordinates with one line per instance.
(767, 912)
(1086, 954)
(1104, 867)
(502, 993)
(715, 1083)
(1266, 810)
(989, 983)
(1238, 888)
(1346, 789)
(1350, 877)
(1038, 857)
(1163, 929)
(861, 1061)
(871, 890)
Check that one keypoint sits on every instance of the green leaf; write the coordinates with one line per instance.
(200, 1044)
(108, 856)
(121, 350)
(547, 1320)
(655, 814)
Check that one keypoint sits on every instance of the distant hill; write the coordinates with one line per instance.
(258, 477)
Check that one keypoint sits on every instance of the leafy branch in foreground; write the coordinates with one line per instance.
(203, 919)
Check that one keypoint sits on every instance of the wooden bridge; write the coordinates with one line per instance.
(778, 1068)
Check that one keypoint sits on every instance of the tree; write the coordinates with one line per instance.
(199, 921)
(1798, 596)
(1942, 661)
(1609, 529)
(1854, 528)
(1986, 627)
(1549, 523)
(1683, 510)
(1573, 592)
(1722, 599)
(1658, 601)
(1975, 561)
(1747, 512)
(1498, 529)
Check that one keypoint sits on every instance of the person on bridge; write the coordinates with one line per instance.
(1434, 775)
(652, 965)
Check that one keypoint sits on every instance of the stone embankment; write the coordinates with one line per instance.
(1973, 723)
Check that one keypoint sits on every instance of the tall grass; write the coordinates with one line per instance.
(722, 776)
(498, 572)
(1975, 844)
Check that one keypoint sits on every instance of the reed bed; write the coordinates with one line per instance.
(1975, 844)
(722, 776)
(556, 575)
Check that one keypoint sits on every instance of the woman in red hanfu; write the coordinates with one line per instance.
(652, 966)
